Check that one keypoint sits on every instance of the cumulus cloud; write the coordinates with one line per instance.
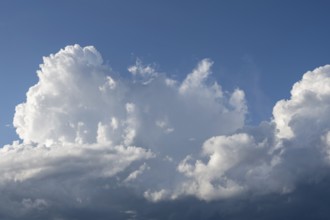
(90, 138)
(304, 115)
(273, 157)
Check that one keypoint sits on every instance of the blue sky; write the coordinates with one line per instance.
(164, 109)
(262, 47)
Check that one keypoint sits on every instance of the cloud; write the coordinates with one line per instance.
(78, 101)
(273, 157)
(112, 146)
(304, 115)
(72, 97)
(22, 162)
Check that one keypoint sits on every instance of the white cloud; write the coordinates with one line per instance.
(78, 101)
(273, 157)
(143, 74)
(72, 96)
(81, 123)
(162, 138)
(306, 112)
(197, 78)
(232, 162)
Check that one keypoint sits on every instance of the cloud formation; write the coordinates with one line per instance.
(274, 157)
(90, 138)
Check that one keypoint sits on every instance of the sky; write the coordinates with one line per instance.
(164, 109)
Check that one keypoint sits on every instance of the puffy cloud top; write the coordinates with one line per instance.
(305, 113)
(78, 101)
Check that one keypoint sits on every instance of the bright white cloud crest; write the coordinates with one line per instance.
(165, 138)
(307, 110)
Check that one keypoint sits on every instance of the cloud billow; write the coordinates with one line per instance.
(90, 138)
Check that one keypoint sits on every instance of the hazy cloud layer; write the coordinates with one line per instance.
(114, 146)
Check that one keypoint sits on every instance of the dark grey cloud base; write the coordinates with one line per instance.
(308, 201)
